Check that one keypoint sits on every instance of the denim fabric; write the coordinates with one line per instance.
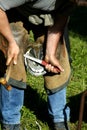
(11, 127)
(57, 108)
(10, 105)
(12, 101)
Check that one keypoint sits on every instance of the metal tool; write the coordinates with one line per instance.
(41, 62)
(5, 84)
(4, 80)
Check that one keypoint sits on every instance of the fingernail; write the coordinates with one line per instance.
(15, 62)
(62, 70)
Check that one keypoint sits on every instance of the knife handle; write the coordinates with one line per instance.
(44, 63)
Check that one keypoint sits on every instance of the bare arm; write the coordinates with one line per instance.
(5, 30)
(54, 35)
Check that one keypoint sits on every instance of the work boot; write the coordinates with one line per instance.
(60, 126)
(11, 127)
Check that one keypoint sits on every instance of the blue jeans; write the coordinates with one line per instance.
(57, 108)
(12, 101)
(10, 105)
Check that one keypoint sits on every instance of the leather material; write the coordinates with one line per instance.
(54, 82)
(15, 74)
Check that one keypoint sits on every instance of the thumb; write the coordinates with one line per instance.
(9, 59)
(57, 64)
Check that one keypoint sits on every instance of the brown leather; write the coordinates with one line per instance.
(57, 81)
(14, 72)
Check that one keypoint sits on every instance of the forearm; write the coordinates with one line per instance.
(5, 30)
(52, 41)
(54, 34)
(5, 27)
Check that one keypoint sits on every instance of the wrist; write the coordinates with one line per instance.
(11, 41)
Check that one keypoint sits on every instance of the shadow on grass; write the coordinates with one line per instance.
(35, 102)
(74, 104)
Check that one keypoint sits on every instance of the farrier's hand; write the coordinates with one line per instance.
(12, 53)
(53, 64)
